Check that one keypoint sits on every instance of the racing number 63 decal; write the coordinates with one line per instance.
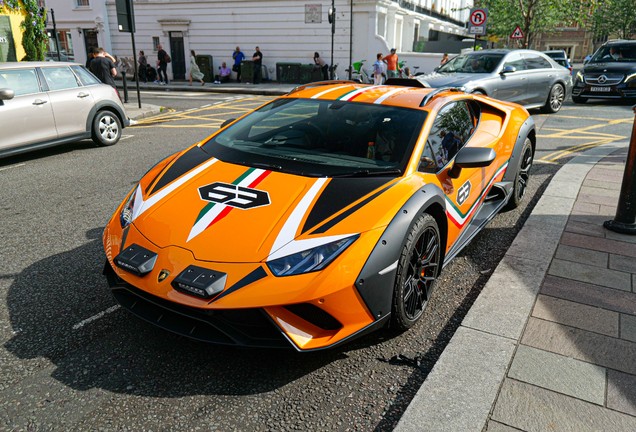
(463, 193)
(234, 196)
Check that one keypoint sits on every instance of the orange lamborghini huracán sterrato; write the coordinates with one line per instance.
(322, 215)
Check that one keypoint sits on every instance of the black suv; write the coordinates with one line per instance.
(610, 73)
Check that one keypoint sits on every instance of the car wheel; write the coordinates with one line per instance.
(106, 128)
(417, 270)
(523, 176)
(479, 92)
(579, 100)
(555, 99)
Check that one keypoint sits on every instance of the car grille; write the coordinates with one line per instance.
(610, 79)
(629, 92)
(314, 315)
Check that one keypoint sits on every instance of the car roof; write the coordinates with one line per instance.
(620, 42)
(22, 65)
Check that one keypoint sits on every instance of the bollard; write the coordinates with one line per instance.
(123, 75)
(625, 220)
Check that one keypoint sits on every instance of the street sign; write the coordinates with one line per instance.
(313, 13)
(517, 34)
(477, 21)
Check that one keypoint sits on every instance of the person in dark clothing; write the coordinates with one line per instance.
(238, 56)
(151, 73)
(257, 58)
(162, 65)
(90, 57)
(143, 67)
(103, 67)
(319, 62)
(451, 143)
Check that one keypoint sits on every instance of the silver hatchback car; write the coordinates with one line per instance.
(43, 104)
(526, 77)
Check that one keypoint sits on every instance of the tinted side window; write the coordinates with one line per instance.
(21, 81)
(535, 61)
(60, 78)
(451, 129)
(84, 75)
(515, 61)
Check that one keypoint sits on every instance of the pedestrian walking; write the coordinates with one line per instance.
(195, 72)
(143, 67)
(377, 70)
(257, 58)
(224, 74)
(103, 67)
(162, 64)
(90, 57)
(238, 57)
(319, 62)
(391, 63)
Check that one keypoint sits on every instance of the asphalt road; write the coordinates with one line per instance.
(72, 360)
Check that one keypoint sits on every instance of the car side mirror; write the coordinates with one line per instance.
(227, 122)
(507, 69)
(471, 157)
(6, 94)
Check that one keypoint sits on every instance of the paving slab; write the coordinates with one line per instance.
(563, 188)
(628, 327)
(507, 298)
(594, 275)
(580, 344)
(620, 237)
(589, 294)
(602, 185)
(621, 392)
(577, 315)
(534, 409)
(595, 230)
(465, 389)
(596, 199)
(544, 228)
(622, 263)
(603, 245)
(591, 190)
(588, 218)
(558, 373)
(583, 256)
(494, 426)
(581, 207)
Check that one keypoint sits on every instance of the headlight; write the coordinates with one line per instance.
(579, 75)
(127, 212)
(311, 259)
(631, 77)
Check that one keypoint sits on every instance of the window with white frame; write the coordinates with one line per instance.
(155, 43)
(82, 3)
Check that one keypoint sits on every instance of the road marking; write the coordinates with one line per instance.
(12, 166)
(545, 162)
(95, 317)
(123, 137)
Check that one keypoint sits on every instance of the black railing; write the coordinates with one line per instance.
(425, 11)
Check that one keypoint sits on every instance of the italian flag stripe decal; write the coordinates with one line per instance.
(214, 212)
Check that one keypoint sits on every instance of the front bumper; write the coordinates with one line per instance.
(620, 91)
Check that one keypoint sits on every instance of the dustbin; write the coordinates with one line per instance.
(309, 74)
(247, 71)
(205, 64)
(288, 73)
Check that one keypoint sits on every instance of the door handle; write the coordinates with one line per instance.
(82, 95)
(39, 102)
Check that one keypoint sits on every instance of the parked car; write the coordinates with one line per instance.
(526, 77)
(318, 217)
(587, 58)
(557, 54)
(564, 62)
(44, 104)
(610, 73)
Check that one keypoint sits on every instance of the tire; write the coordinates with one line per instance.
(106, 129)
(555, 99)
(479, 92)
(523, 176)
(578, 100)
(420, 256)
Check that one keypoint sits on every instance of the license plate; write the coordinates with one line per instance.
(601, 89)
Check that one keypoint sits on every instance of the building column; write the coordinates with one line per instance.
(390, 24)
(408, 28)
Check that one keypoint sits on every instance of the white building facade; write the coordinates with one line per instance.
(284, 30)
(81, 24)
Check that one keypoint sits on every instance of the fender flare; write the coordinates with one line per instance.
(526, 130)
(376, 280)
(106, 105)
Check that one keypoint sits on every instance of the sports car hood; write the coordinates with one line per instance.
(436, 80)
(224, 212)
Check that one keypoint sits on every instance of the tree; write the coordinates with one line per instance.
(34, 37)
(615, 17)
(533, 16)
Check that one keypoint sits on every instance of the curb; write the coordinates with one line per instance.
(147, 110)
(461, 389)
(219, 88)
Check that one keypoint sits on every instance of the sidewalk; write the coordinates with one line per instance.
(265, 89)
(135, 113)
(550, 343)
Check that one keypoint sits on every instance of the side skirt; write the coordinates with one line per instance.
(41, 145)
(495, 201)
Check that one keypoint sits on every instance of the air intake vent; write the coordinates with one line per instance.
(314, 315)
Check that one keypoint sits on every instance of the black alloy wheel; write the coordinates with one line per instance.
(523, 176)
(418, 267)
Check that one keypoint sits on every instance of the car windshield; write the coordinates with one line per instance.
(472, 63)
(322, 138)
(615, 53)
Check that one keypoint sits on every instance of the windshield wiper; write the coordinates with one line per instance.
(260, 165)
(366, 173)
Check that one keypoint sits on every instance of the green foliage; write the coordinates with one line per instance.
(615, 17)
(533, 16)
(34, 37)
